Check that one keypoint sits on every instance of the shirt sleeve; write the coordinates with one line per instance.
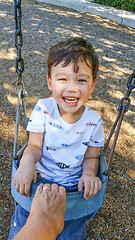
(97, 136)
(37, 119)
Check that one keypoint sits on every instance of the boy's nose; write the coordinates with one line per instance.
(72, 86)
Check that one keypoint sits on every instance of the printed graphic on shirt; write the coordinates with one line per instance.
(93, 141)
(30, 120)
(65, 145)
(91, 124)
(73, 182)
(46, 112)
(49, 148)
(99, 120)
(62, 165)
(79, 157)
(37, 108)
(70, 173)
(56, 125)
(86, 143)
(80, 133)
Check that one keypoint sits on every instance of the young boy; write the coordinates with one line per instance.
(65, 135)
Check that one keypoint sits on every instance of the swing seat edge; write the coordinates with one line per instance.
(76, 205)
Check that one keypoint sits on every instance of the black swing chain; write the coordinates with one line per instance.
(19, 69)
(126, 99)
(122, 108)
(18, 40)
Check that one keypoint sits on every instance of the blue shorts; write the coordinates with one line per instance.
(73, 230)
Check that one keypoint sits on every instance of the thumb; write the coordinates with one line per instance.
(80, 186)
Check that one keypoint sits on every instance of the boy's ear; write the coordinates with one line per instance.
(93, 85)
(49, 83)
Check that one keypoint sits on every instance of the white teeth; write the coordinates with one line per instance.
(73, 100)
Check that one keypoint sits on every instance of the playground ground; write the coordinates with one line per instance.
(43, 25)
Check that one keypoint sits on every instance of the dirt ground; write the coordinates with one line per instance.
(43, 25)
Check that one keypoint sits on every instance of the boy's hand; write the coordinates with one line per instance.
(25, 174)
(90, 184)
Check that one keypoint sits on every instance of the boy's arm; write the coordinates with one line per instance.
(88, 181)
(34, 148)
(26, 173)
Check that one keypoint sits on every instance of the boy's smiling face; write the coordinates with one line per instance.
(71, 89)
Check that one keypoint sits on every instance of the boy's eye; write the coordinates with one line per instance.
(62, 79)
(81, 80)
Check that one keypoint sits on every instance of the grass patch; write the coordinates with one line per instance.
(128, 5)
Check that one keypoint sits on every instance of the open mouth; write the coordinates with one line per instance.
(71, 99)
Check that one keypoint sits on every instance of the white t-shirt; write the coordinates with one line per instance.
(64, 144)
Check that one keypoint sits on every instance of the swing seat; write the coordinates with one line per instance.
(76, 205)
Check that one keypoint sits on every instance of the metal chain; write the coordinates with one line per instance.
(125, 101)
(18, 40)
(19, 69)
(122, 108)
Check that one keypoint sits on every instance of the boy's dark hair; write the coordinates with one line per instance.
(73, 50)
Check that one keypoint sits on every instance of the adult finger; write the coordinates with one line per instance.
(54, 187)
(39, 189)
(17, 186)
(62, 192)
(46, 187)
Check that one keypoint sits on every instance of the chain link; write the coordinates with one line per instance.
(18, 40)
(126, 100)
(130, 84)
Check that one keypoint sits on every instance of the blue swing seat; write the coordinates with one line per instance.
(76, 205)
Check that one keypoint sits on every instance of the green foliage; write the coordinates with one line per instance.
(128, 5)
